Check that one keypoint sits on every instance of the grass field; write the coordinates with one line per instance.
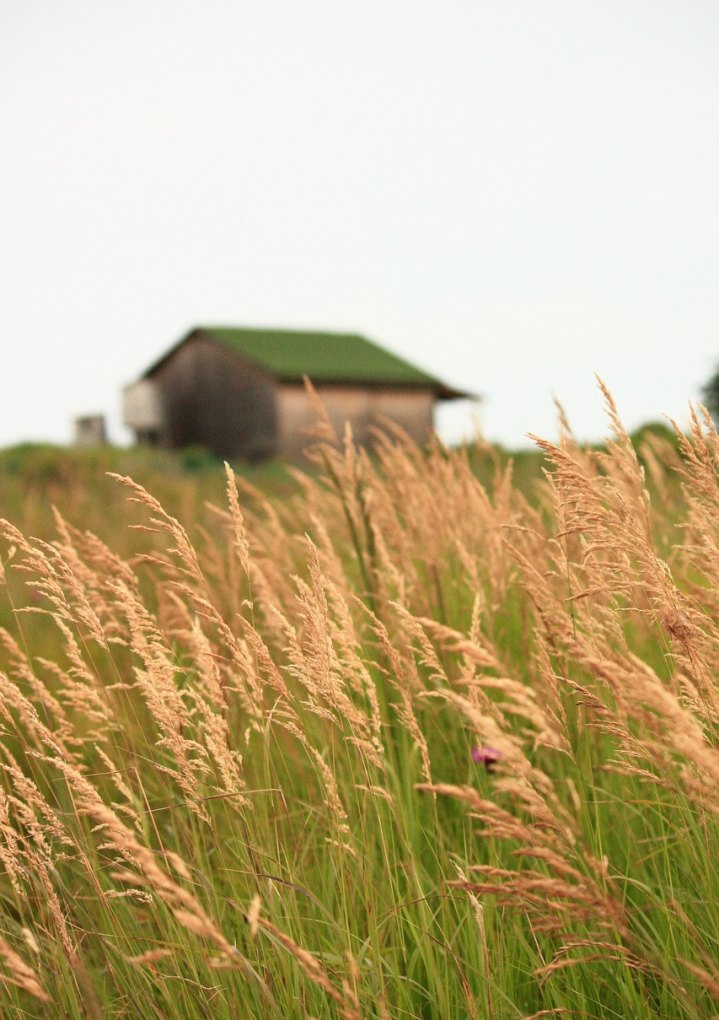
(426, 734)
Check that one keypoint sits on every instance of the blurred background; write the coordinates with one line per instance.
(513, 196)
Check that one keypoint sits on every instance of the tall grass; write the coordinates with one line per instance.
(402, 744)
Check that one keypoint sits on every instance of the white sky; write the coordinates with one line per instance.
(514, 195)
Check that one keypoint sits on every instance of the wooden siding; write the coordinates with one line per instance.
(212, 398)
(364, 407)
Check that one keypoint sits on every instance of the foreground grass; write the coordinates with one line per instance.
(236, 772)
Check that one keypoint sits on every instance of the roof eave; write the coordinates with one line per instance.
(442, 391)
(449, 393)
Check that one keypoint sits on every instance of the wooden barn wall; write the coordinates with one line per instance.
(364, 407)
(213, 399)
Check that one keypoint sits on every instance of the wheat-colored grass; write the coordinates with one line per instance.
(236, 771)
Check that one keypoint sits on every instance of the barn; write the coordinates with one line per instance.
(240, 393)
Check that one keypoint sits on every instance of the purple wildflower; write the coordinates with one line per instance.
(487, 756)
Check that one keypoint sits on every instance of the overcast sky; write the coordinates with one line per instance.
(512, 195)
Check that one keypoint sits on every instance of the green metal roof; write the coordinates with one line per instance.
(337, 356)
(290, 355)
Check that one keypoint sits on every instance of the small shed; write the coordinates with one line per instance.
(90, 430)
(240, 393)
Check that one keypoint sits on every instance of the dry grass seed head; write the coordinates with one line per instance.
(21, 974)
